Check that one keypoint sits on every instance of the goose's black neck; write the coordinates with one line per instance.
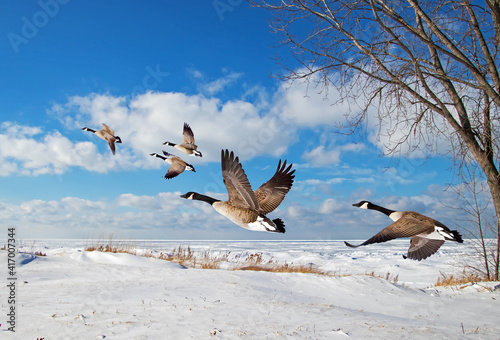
(379, 208)
(159, 156)
(204, 198)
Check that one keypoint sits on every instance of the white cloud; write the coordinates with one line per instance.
(312, 104)
(145, 121)
(7, 168)
(71, 204)
(166, 215)
(163, 216)
(67, 205)
(330, 206)
(220, 84)
(195, 73)
(392, 138)
(216, 86)
(307, 106)
(313, 181)
(13, 129)
(395, 131)
(163, 201)
(320, 156)
(28, 151)
(150, 119)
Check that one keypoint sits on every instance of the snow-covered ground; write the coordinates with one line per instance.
(74, 294)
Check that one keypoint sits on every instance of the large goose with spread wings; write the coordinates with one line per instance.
(426, 234)
(245, 207)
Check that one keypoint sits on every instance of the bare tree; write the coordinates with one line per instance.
(430, 67)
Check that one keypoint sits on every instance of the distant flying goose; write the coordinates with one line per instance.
(107, 134)
(187, 146)
(427, 234)
(177, 165)
(245, 207)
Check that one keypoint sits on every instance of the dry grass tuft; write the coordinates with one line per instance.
(388, 277)
(462, 279)
(208, 260)
(204, 260)
(285, 268)
(112, 246)
(256, 262)
(31, 251)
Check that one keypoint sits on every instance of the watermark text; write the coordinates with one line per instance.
(11, 278)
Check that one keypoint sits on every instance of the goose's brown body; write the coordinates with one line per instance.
(245, 218)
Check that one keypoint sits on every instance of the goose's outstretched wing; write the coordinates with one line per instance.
(177, 165)
(111, 144)
(175, 169)
(108, 129)
(271, 194)
(407, 227)
(421, 248)
(188, 137)
(238, 187)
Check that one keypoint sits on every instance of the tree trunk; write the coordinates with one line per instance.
(493, 179)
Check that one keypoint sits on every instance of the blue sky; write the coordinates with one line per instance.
(145, 68)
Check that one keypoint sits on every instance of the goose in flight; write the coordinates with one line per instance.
(245, 207)
(426, 234)
(187, 146)
(177, 165)
(108, 134)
